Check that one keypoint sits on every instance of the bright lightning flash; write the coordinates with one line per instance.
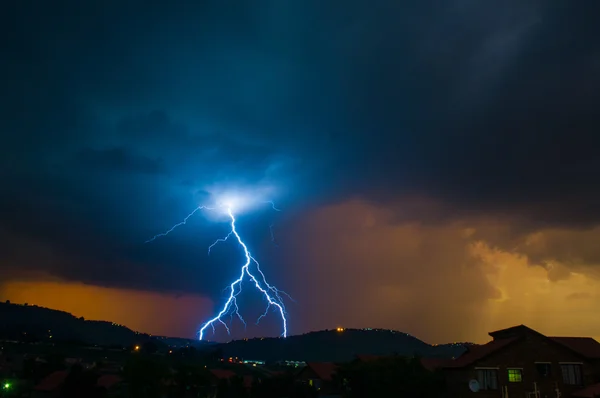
(271, 293)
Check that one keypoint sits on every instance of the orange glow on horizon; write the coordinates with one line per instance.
(143, 311)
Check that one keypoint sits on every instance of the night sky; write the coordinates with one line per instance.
(437, 164)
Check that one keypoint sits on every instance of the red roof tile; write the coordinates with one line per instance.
(323, 370)
(222, 373)
(52, 382)
(107, 381)
(585, 346)
(477, 352)
(588, 392)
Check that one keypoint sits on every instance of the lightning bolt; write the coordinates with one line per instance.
(179, 224)
(251, 265)
(272, 205)
(273, 236)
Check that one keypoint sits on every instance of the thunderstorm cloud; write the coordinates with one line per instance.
(436, 162)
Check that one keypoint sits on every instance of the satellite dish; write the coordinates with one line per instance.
(474, 385)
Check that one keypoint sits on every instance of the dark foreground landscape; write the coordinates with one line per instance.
(49, 353)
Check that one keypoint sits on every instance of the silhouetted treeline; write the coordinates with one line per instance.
(389, 377)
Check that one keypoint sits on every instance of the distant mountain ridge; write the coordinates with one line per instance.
(18, 321)
(30, 322)
(337, 346)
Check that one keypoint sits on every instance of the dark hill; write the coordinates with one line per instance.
(337, 346)
(33, 323)
(30, 323)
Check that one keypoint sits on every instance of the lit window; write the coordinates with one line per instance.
(515, 375)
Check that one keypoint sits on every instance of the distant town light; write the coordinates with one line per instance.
(340, 329)
(137, 348)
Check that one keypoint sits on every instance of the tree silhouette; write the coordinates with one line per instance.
(280, 387)
(145, 376)
(150, 347)
(232, 388)
(191, 380)
(81, 383)
(393, 377)
(216, 355)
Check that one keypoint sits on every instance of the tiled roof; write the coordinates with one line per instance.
(107, 381)
(222, 373)
(477, 352)
(323, 370)
(52, 382)
(585, 346)
(588, 392)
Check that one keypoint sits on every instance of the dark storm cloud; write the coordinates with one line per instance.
(488, 107)
(118, 159)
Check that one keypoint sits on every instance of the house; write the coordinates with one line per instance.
(521, 362)
(110, 383)
(226, 377)
(319, 375)
(50, 385)
(225, 374)
(109, 367)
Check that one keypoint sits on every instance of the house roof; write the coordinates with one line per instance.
(588, 392)
(512, 331)
(108, 381)
(477, 352)
(585, 346)
(222, 373)
(52, 382)
(323, 370)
